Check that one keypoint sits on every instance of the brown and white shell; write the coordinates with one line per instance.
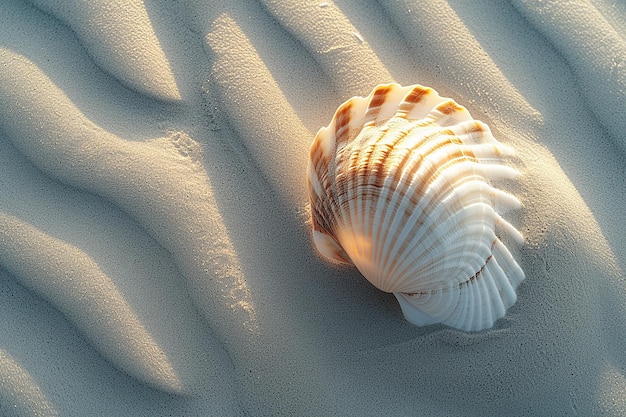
(400, 187)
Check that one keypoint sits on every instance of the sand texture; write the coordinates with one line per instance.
(155, 251)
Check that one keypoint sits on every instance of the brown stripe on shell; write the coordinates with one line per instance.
(320, 211)
(354, 181)
(316, 155)
(342, 124)
(411, 164)
(323, 215)
(379, 95)
(413, 98)
(432, 175)
(393, 165)
(477, 127)
(376, 169)
(456, 155)
(449, 107)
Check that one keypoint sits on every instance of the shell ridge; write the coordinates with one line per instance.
(497, 306)
(474, 132)
(369, 179)
(376, 100)
(422, 163)
(449, 112)
(470, 291)
(513, 271)
(393, 100)
(473, 231)
(371, 108)
(352, 114)
(428, 101)
(474, 299)
(490, 298)
(346, 165)
(491, 171)
(418, 243)
(344, 184)
(504, 284)
(321, 208)
(510, 230)
(423, 269)
(320, 215)
(484, 315)
(423, 247)
(360, 190)
(428, 217)
(394, 175)
(388, 206)
(416, 95)
(407, 162)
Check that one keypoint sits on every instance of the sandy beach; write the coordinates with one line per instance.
(156, 256)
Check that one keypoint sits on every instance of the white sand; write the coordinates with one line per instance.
(154, 252)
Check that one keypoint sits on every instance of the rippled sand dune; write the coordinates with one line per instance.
(155, 251)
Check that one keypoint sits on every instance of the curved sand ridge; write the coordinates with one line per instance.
(130, 50)
(167, 254)
(595, 49)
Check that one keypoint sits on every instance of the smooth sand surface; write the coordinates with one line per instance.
(155, 255)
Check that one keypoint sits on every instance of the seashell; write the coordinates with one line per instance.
(399, 184)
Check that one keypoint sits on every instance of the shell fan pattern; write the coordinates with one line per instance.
(400, 187)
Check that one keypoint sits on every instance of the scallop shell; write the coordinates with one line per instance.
(400, 187)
